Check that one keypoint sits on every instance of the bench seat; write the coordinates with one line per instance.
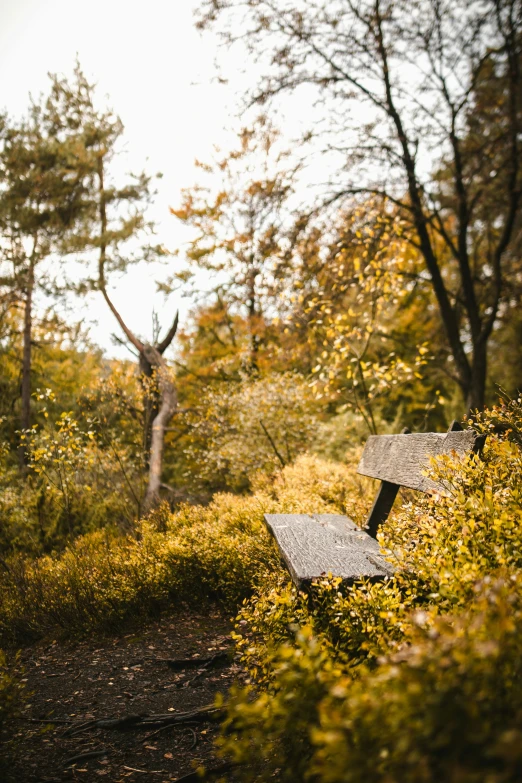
(315, 545)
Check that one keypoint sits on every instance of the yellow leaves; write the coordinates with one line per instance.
(182, 214)
(46, 394)
(356, 317)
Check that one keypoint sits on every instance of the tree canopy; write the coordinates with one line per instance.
(402, 87)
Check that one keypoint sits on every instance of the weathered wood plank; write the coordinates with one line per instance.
(314, 545)
(382, 505)
(401, 459)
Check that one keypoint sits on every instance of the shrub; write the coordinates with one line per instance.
(414, 679)
(79, 480)
(10, 697)
(219, 552)
(446, 706)
(240, 429)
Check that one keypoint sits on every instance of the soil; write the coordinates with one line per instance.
(117, 676)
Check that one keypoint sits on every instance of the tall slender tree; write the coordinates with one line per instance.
(60, 199)
(400, 85)
(115, 234)
(43, 184)
(161, 394)
(243, 227)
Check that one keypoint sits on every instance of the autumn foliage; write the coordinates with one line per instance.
(386, 295)
(413, 679)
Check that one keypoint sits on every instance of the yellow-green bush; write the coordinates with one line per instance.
(221, 551)
(79, 479)
(10, 698)
(240, 429)
(446, 706)
(416, 679)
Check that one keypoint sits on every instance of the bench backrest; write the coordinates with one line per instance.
(401, 460)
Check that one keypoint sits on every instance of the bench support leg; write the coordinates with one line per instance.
(382, 506)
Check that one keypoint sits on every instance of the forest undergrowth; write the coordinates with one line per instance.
(220, 552)
(418, 678)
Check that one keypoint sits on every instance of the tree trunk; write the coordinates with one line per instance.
(475, 394)
(167, 407)
(162, 409)
(25, 416)
(252, 321)
(151, 405)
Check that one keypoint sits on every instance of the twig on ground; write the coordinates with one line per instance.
(194, 737)
(196, 777)
(178, 664)
(188, 683)
(115, 723)
(162, 728)
(75, 729)
(143, 771)
(203, 714)
(92, 754)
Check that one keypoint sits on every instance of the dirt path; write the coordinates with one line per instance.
(116, 677)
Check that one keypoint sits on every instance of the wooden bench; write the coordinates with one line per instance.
(314, 545)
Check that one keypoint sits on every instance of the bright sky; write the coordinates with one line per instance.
(159, 75)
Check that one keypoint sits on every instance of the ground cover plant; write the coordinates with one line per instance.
(106, 581)
(218, 552)
(10, 693)
(412, 679)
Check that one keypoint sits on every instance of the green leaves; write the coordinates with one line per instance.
(254, 426)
